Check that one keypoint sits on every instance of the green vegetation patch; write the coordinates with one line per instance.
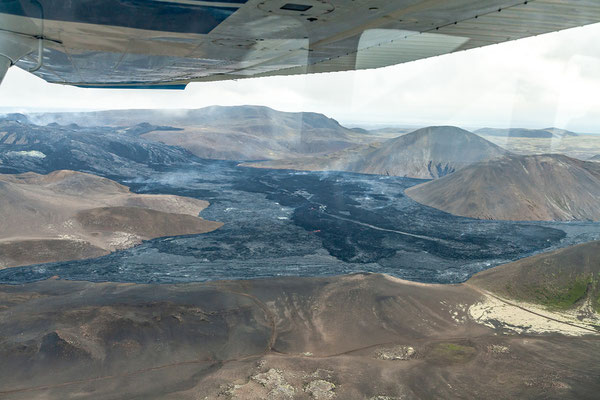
(452, 352)
(564, 298)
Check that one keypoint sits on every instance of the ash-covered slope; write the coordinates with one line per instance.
(539, 187)
(25, 147)
(426, 153)
(234, 133)
(366, 336)
(546, 133)
(69, 215)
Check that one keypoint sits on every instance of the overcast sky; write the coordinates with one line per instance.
(549, 80)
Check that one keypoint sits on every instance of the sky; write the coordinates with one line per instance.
(543, 81)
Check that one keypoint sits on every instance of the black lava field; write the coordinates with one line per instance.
(289, 223)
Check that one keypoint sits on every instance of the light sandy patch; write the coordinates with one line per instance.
(33, 153)
(519, 317)
(411, 283)
(123, 240)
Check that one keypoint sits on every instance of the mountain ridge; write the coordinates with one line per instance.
(225, 132)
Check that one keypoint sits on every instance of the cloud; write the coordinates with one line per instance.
(547, 80)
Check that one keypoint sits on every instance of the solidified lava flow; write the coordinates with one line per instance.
(310, 224)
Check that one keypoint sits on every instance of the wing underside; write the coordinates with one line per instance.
(169, 43)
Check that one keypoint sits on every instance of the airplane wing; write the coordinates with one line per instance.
(169, 43)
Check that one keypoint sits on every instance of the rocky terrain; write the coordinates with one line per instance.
(526, 133)
(426, 153)
(364, 336)
(26, 147)
(541, 188)
(69, 215)
(595, 158)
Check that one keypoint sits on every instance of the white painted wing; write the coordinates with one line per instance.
(169, 43)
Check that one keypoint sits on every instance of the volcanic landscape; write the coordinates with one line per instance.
(259, 283)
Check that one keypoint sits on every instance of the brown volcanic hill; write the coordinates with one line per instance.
(534, 188)
(562, 279)
(430, 152)
(71, 215)
(426, 153)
